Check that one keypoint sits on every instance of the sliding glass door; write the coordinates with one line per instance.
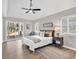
(14, 29)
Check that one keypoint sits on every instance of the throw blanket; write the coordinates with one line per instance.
(34, 39)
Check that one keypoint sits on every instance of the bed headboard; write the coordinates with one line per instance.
(48, 33)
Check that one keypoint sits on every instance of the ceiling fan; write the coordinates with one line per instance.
(31, 10)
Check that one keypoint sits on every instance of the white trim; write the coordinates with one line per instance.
(69, 48)
(68, 16)
(68, 25)
(69, 34)
(10, 40)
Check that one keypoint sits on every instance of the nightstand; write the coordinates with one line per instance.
(58, 41)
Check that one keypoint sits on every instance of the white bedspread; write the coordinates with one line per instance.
(44, 41)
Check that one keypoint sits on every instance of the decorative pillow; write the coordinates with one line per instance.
(34, 33)
(48, 34)
(42, 34)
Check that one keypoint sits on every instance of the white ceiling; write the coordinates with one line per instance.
(48, 7)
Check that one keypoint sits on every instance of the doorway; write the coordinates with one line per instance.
(37, 28)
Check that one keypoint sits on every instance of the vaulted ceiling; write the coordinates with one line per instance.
(48, 7)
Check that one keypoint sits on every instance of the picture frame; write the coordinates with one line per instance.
(50, 24)
(27, 26)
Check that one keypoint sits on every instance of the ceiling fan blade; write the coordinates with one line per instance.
(27, 11)
(25, 8)
(36, 9)
(30, 9)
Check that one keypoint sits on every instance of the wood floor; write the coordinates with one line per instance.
(15, 50)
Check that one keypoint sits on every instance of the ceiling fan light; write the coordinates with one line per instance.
(30, 11)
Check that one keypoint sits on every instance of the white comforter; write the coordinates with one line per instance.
(32, 46)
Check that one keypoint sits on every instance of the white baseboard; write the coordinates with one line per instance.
(10, 40)
(69, 47)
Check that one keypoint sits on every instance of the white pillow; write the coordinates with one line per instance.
(42, 34)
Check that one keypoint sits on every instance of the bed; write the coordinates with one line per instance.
(38, 43)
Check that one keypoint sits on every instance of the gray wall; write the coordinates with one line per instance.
(26, 32)
(4, 7)
(69, 40)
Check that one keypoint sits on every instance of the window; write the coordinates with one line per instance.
(64, 25)
(69, 24)
(72, 25)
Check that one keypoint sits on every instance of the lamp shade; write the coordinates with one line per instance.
(57, 29)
